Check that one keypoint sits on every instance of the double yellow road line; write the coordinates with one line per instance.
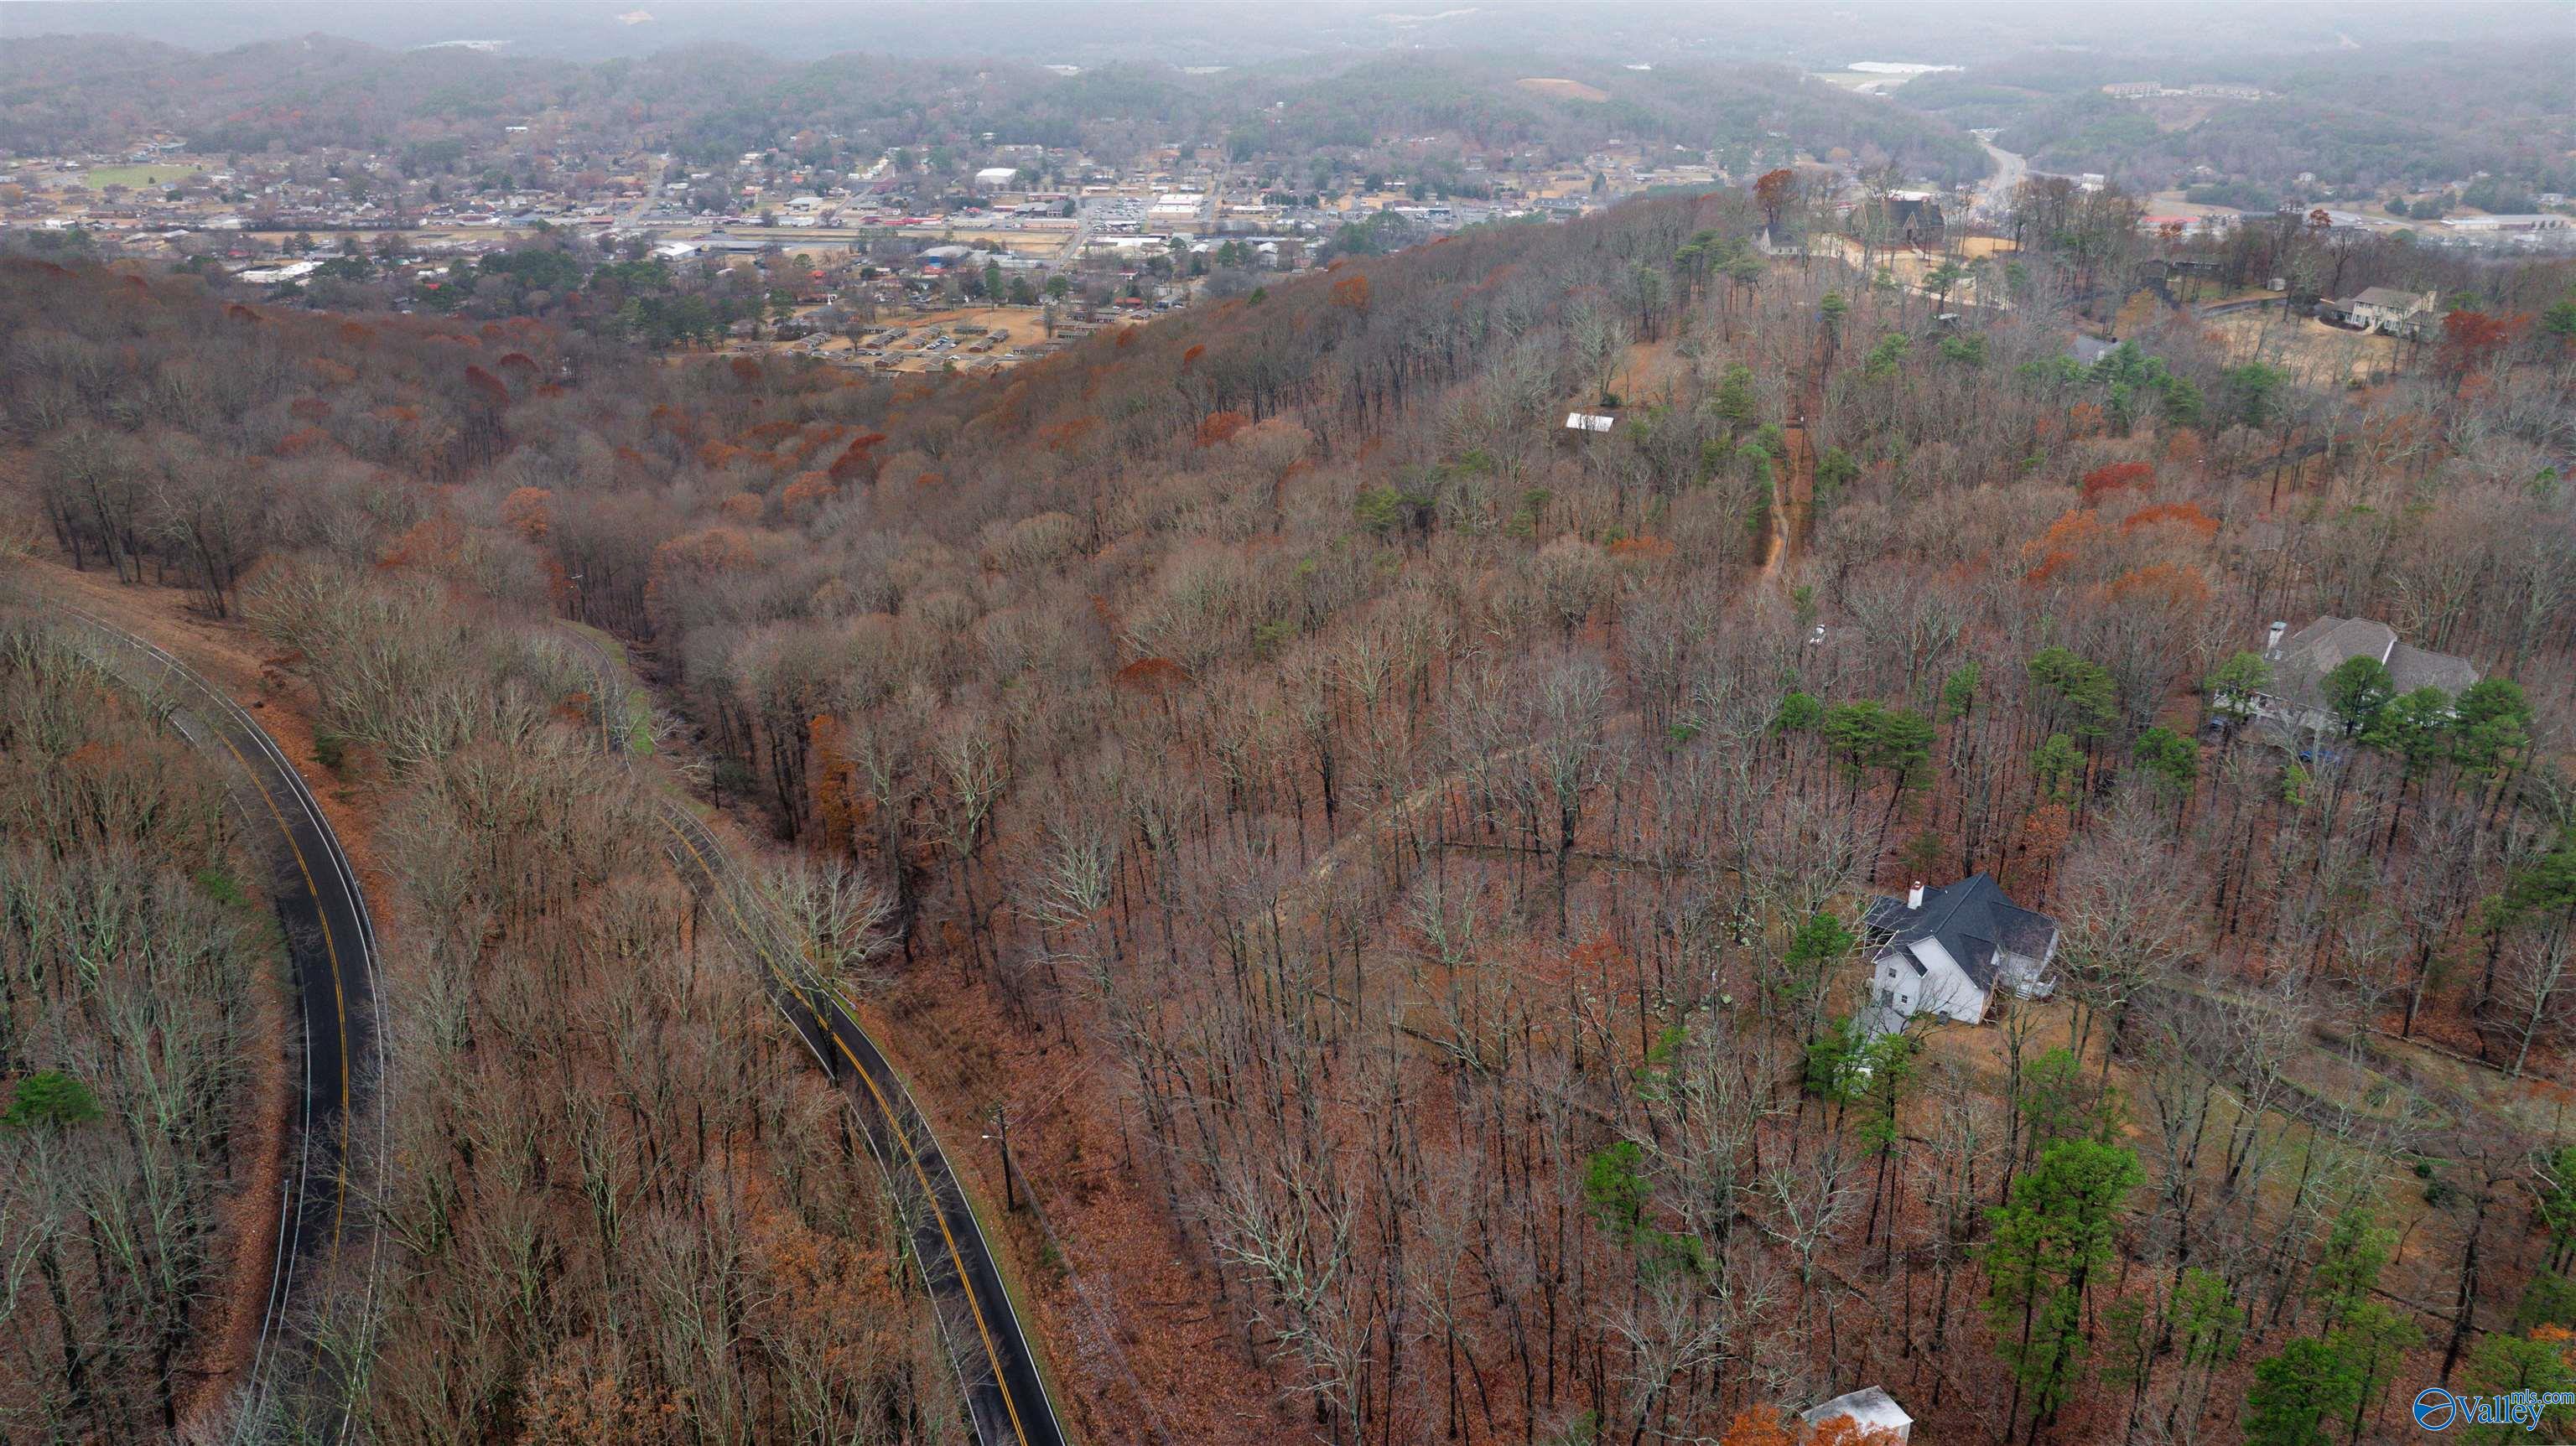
(680, 827)
(885, 1108)
(221, 718)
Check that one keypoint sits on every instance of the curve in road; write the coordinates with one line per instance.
(331, 941)
(1005, 1393)
(1995, 192)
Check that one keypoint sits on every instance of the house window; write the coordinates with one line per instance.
(1887, 997)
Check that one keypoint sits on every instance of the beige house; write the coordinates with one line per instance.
(2295, 702)
(2386, 309)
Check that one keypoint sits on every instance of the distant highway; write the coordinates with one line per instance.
(1995, 193)
(989, 1348)
(332, 944)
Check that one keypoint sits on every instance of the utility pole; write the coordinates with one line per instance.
(1002, 1136)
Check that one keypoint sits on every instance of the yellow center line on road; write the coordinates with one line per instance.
(339, 996)
(894, 1122)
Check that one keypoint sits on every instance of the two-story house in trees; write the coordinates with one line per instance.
(1947, 952)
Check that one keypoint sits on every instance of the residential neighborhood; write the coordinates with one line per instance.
(870, 259)
(1073, 240)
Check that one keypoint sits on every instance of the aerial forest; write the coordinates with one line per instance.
(1389, 868)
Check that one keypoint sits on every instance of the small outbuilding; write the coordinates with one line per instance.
(2087, 351)
(1871, 1409)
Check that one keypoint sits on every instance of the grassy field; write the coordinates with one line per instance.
(1020, 326)
(2381, 1170)
(1025, 243)
(2314, 353)
(1912, 269)
(99, 178)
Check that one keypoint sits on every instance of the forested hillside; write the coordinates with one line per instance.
(617, 1204)
(139, 1141)
(2395, 116)
(1395, 866)
(710, 103)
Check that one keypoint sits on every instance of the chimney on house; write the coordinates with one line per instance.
(1914, 896)
(2272, 639)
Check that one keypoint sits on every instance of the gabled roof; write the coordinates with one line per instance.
(2392, 298)
(2302, 660)
(2087, 350)
(1970, 919)
(2411, 667)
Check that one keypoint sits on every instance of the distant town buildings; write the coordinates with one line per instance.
(273, 275)
(2533, 222)
(1179, 208)
(2206, 90)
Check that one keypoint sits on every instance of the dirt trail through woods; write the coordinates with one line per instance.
(1793, 488)
(1793, 497)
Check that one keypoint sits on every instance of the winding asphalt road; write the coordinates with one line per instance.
(1995, 192)
(996, 1367)
(331, 942)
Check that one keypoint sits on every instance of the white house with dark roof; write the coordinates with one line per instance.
(1947, 951)
(2294, 701)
